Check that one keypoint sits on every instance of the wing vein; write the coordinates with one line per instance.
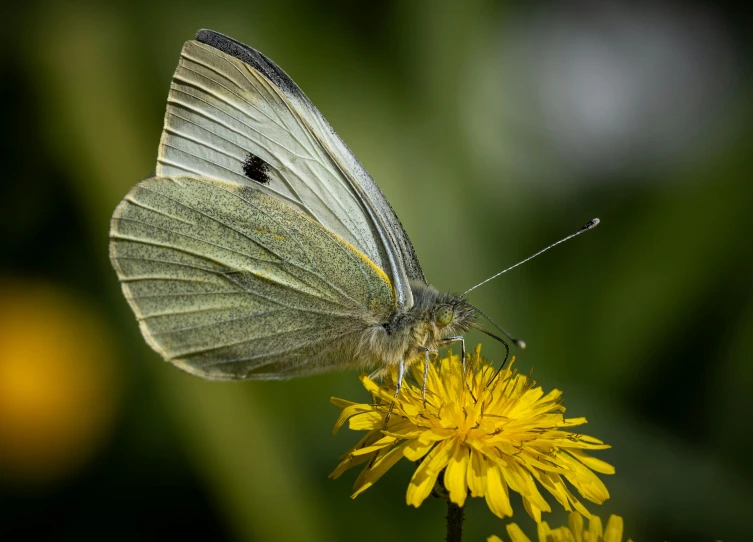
(262, 80)
(219, 322)
(311, 269)
(279, 169)
(240, 286)
(327, 339)
(237, 95)
(301, 246)
(178, 103)
(181, 313)
(193, 352)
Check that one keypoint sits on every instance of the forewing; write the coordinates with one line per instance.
(234, 115)
(228, 282)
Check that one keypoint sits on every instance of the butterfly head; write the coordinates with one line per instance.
(453, 315)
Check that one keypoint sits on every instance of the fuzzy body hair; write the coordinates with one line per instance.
(408, 332)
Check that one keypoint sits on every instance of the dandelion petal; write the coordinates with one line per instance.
(476, 475)
(575, 523)
(516, 534)
(426, 474)
(591, 462)
(366, 421)
(533, 510)
(380, 466)
(348, 410)
(416, 449)
(496, 492)
(614, 529)
(455, 473)
(543, 531)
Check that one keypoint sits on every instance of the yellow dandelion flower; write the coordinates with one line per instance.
(498, 433)
(575, 531)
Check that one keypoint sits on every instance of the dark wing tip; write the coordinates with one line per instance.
(204, 32)
(253, 58)
(226, 45)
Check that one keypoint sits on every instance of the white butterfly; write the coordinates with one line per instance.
(262, 249)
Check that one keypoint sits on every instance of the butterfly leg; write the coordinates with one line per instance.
(426, 372)
(398, 387)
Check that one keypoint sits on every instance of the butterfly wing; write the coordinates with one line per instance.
(228, 282)
(234, 115)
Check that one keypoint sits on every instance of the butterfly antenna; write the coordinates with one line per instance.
(517, 342)
(589, 226)
(500, 339)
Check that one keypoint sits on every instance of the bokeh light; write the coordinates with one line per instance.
(59, 388)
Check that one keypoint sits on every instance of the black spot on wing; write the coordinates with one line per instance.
(256, 169)
(280, 79)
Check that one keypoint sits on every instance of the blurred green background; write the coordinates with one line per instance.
(494, 128)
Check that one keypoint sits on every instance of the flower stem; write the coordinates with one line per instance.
(455, 517)
(455, 513)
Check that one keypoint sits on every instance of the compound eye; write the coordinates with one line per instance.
(445, 315)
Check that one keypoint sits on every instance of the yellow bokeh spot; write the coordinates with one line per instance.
(58, 388)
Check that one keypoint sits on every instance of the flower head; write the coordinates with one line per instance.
(497, 433)
(575, 530)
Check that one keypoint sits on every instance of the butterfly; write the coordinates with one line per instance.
(261, 248)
